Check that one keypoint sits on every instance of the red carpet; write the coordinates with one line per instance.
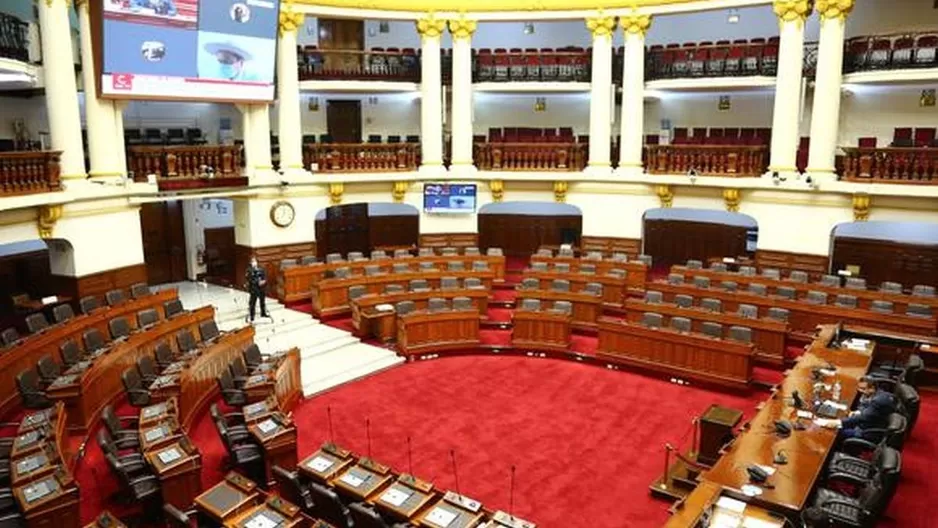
(502, 315)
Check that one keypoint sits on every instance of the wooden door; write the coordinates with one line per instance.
(164, 241)
(344, 120)
(342, 34)
(347, 229)
(672, 242)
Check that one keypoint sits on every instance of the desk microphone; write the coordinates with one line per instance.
(331, 430)
(452, 456)
(511, 494)
(368, 434)
(410, 457)
(796, 400)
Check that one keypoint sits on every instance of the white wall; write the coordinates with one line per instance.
(199, 215)
(253, 227)
(383, 114)
(688, 110)
(512, 110)
(100, 242)
(892, 16)
(874, 111)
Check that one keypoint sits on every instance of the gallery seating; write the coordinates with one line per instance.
(891, 52)
(740, 57)
(564, 64)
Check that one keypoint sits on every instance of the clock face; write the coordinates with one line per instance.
(282, 214)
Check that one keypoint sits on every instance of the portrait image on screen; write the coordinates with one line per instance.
(449, 198)
(199, 50)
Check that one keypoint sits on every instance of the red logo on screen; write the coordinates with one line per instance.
(122, 81)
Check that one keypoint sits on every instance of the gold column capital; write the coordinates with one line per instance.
(834, 9)
(861, 207)
(336, 190)
(732, 198)
(462, 27)
(68, 3)
(46, 219)
(601, 25)
(497, 187)
(635, 23)
(290, 19)
(665, 195)
(791, 10)
(430, 26)
(399, 190)
(560, 191)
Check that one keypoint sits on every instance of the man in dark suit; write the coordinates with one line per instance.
(256, 279)
(872, 411)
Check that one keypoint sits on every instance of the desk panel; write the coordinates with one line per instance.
(368, 321)
(636, 272)
(586, 308)
(541, 330)
(422, 332)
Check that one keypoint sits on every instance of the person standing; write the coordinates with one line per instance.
(256, 279)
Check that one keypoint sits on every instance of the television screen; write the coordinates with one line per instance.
(458, 198)
(208, 50)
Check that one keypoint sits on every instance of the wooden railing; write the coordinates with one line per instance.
(14, 38)
(896, 51)
(29, 172)
(891, 165)
(362, 157)
(519, 66)
(188, 167)
(739, 161)
(521, 157)
(374, 65)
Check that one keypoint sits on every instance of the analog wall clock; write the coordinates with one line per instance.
(282, 214)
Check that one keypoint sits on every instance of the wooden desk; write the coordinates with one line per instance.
(691, 355)
(404, 498)
(276, 436)
(768, 335)
(635, 271)
(50, 502)
(444, 509)
(541, 330)
(279, 377)
(230, 497)
(155, 435)
(281, 513)
(330, 296)
(586, 308)
(323, 465)
(40, 432)
(422, 332)
(363, 480)
(807, 450)
(368, 320)
(690, 512)
(24, 354)
(615, 289)
(158, 412)
(34, 466)
(260, 410)
(296, 283)
(106, 520)
(178, 465)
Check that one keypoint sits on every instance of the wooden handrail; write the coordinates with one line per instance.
(362, 157)
(333, 64)
(891, 165)
(29, 172)
(520, 157)
(185, 161)
(741, 161)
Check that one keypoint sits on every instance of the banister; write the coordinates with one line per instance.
(29, 172)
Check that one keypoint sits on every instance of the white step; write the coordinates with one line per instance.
(344, 365)
(312, 339)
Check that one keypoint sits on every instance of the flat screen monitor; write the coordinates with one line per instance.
(193, 50)
(449, 198)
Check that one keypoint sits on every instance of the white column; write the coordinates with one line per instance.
(58, 67)
(632, 118)
(247, 133)
(825, 113)
(255, 129)
(788, 84)
(431, 94)
(601, 103)
(103, 164)
(288, 94)
(118, 116)
(461, 138)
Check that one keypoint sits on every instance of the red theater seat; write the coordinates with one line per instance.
(867, 142)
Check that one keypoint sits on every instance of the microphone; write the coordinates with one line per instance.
(410, 457)
(452, 456)
(511, 494)
(368, 434)
(331, 430)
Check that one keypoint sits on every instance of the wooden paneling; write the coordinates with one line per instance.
(522, 235)
(220, 254)
(344, 121)
(98, 284)
(814, 265)
(164, 241)
(341, 34)
(395, 231)
(269, 258)
(885, 260)
(609, 245)
(24, 273)
(675, 241)
(344, 229)
(457, 240)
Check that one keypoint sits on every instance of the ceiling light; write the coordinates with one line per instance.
(528, 28)
(733, 16)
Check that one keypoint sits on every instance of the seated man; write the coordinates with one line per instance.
(872, 411)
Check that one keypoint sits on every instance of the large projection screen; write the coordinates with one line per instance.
(192, 50)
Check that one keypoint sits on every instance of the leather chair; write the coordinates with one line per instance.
(437, 304)
(652, 320)
(88, 304)
(539, 266)
(32, 395)
(855, 283)
(124, 437)
(70, 353)
(185, 342)
(798, 276)
(393, 288)
(239, 372)
(455, 265)
(237, 429)
(417, 285)
(449, 252)
(883, 307)
(683, 300)
(861, 511)
(778, 314)
(402, 253)
(694, 264)
(114, 297)
(729, 286)
(245, 456)
(163, 355)
(747, 271)
(9, 336)
(36, 323)
(137, 394)
(139, 290)
(654, 297)
(816, 297)
(291, 489)
(449, 283)
(253, 357)
(462, 303)
(118, 327)
(530, 283)
(208, 330)
(354, 292)
(748, 311)
(328, 506)
(893, 434)
(355, 256)
(741, 334)
(617, 273)
(922, 290)
(333, 257)
(530, 305)
(772, 273)
(587, 269)
(702, 282)
(62, 313)
(364, 516)
(133, 461)
(147, 317)
(425, 252)
(675, 278)
(400, 267)
(143, 488)
(147, 370)
(907, 372)
(646, 259)
(405, 307)
(712, 329)
(308, 260)
(681, 324)
(472, 251)
(171, 308)
(832, 281)
(378, 254)
(232, 395)
(757, 289)
(562, 267)
(560, 285)
(786, 292)
(48, 370)
(711, 305)
(864, 460)
(846, 301)
(890, 287)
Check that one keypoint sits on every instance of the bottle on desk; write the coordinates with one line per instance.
(835, 391)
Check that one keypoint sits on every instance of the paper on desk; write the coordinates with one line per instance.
(440, 517)
(725, 520)
(384, 308)
(827, 422)
(267, 426)
(731, 504)
(805, 414)
(827, 372)
(319, 464)
(169, 455)
(837, 405)
(260, 521)
(770, 470)
(751, 490)
(395, 497)
(352, 480)
(752, 522)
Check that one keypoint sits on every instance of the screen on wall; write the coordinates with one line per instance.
(455, 198)
(202, 50)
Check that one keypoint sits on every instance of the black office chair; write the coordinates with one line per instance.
(139, 290)
(893, 434)
(907, 371)
(70, 353)
(139, 488)
(364, 516)
(124, 437)
(239, 373)
(232, 395)
(32, 395)
(171, 308)
(36, 323)
(176, 518)
(237, 430)
(185, 342)
(133, 461)
(48, 370)
(208, 330)
(118, 327)
(137, 394)
(245, 456)
(862, 461)
(9, 336)
(860, 511)
(907, 399)
(147, 317)
(88, 304)
(163, 355)
(253, 357)
(147, 370)
(93, 340)
(328, 506)
(114, 297)
(291, 489)
(62, 313)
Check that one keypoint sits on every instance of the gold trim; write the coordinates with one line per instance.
(497, 187)
(335, 193)
(665, 195)
(732, 198)
(78, 176)
(601, 26)
(399, 190)
(479, 6)
(290, 19)
(462, 28)
(861, 207)
(430, 26)
(560, 191)
(834, 9)
(792, 10)
(46, 218)
(635, 23)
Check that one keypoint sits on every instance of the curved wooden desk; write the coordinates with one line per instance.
(278, 377)
(635, 271)
(24, 354)
(422, 332)
(691, 355)
(330, 296)
(296, 283)
(541, 330)
(767, 334)
(86, 392)
(803, 317)
(615, 289)
(368, 320)
(586, 308)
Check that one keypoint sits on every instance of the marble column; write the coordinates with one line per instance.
(632, 117)
(788, 84)
(288, 93)
(431, 94)
(461, 137)
(601, 102)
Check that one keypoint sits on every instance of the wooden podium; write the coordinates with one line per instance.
(50, 502)
(716, 429)
(276, 435)
(179, 468)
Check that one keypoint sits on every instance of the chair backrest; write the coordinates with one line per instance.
(252, 355)
(830, 280)
(473, 283)
(539, 266)
(747, 271)
(884, 307)
(333, 257)
(494, 252)
(530, 305)
(425, 252)
(427, 266)
(36, 322)
(139, 290)
(405, 307)
(436, 304)
(729, 286)
(748, 311)
(372, 270)
(562, 267)
(147, 317)
(480, 265)
(163, 354)
(923, 290)
(400, 267)
(472, 251)
(565, 252)
(757, 289)
(48, 368)
(890, 287)
(354, 292)
(711, 329)
(131, 379)
(798, 276)
(70, 352)
(449, 251)
(778, 314)
(713, 305)
(681, 324)
(645, 259)
(288, 263)
(343, 273)
(208, 330)
(355, 256)
(771, 273)
(786, 292)
(652, 320)
(675, 278)
(393, 288)
(816, 297)
(593, 288)
(173, 307)
(561, 285)
(856, 283)
(289, 485)
(694, 264)
(718, 266)
(593, 255)
(846, 301)
(653, 297)
(307, 260)
(702, 282)
(118, 327)
(683, 300)
(449, 283)
(238, 368)
(92, 339)
(62, 313)
(419, 284)
(146, 367)
(175, 517)
(741, 333)
(918, 310)
(620, 257)
(88, 304)
(617, 273)
(564, 307)
(379, 254)
(184, 340)
(365, 517)
(328, 506)
(27, 381)
(462, 303)
(114, 297)
(588, 269)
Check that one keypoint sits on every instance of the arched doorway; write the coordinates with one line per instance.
(904, 252)
(365, 227)
(674, 235)
(520, 228)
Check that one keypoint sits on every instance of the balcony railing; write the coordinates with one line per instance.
(29, 172)
(362, 157)
(891, 52)
(520, 157)
(723, 59)
(188, 167)
(891, 165)
(14, 38)
(378, 64)
(563, 65)
(741, 161)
